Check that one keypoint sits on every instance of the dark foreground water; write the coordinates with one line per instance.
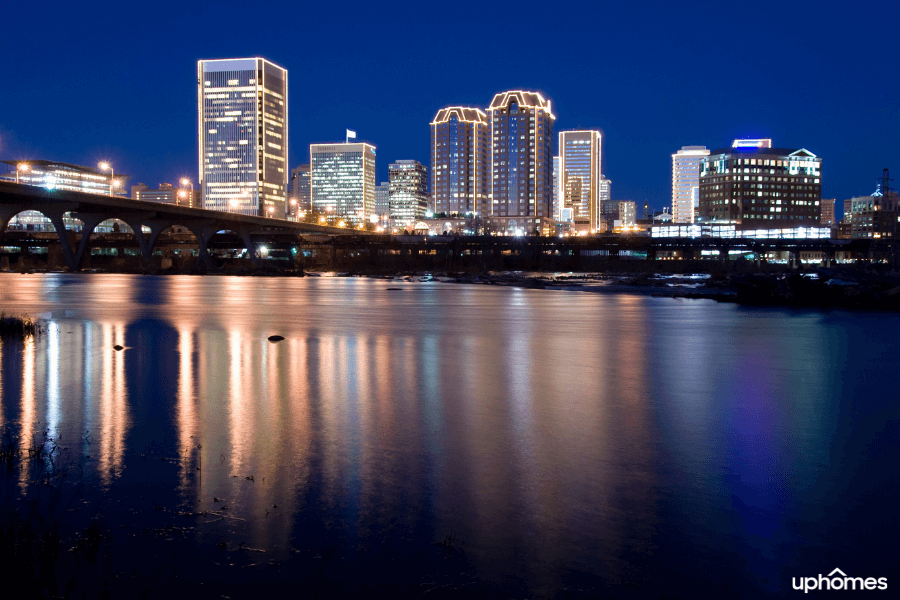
(556, 444)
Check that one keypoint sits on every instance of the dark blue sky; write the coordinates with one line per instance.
(85, 82)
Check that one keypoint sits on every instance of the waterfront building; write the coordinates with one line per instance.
(755, 186)
(408, 185)
(342, 181)
(299, 190)
(876, 216)
(383, 204)
(243, 136)
(579, 177)
(54, 175)
(686, 183)
(459, 160)
(521, 163)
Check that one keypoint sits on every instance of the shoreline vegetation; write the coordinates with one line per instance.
(19, 326)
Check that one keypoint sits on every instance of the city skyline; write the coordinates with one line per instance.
(834, 102)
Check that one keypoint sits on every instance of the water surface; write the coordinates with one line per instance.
(625, 445)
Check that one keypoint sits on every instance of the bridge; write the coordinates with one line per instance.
(448, 252)
(93, 209)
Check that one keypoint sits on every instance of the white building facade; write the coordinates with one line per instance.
(686, 183)
(342, 181)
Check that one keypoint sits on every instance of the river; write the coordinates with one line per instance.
(552, 442)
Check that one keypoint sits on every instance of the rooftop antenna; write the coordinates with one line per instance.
(885, 183)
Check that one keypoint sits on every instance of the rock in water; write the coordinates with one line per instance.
(275, 338)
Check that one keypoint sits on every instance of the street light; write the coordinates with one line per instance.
(112, 174)
(184, 182)
(21, 167)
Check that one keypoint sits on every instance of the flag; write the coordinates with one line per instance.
(351, 134)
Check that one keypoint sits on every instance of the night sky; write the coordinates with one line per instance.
(85, 82)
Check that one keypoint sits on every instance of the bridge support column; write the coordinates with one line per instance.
(203, 232)
(89, 222)
(248, 243)
(56, 217)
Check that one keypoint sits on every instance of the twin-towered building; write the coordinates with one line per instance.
(498, 163)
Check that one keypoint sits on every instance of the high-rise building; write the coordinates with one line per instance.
(243, 131)
(875, 216)
(556, 195)
(408, 181)
(686, 183)
(627, 213)
(826, 214)
(459, 160)
(755, 186)
(342, 183)
(579, 176)
(521, 162)
(299, 192)
(383, 203)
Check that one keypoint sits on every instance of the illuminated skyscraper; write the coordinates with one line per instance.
(521, 162)
(343, 180)
(408, 181)
(383, 203)
(243, 132)
(756, 186)
(555, 193)
(459, 160)
(686, 183)
(580, 175)
(299, 188)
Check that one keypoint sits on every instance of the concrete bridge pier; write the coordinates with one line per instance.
(55, 215)
(203, 231)
(137, 224)
(89, 222)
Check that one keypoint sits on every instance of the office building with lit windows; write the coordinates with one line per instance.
(521, 163)
(55, 175)
(383, 203)
(686, 183)
(243, 136)
(460, 143)
(408, 181)
(299, 191)
(342, 181)
(755, 186)
(579, 177)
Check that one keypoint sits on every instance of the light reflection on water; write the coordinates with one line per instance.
(631, 439)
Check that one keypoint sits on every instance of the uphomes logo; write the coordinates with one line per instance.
(838, 580)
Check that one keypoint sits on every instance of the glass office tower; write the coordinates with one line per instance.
(343, 181)
(243, 131)
(408, 181)
(579, 176)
